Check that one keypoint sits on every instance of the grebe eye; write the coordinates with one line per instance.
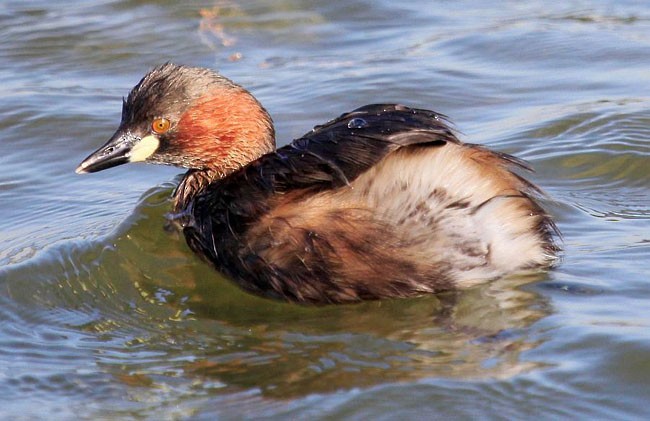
(160, 125)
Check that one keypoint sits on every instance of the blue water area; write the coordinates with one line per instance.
(104, 314)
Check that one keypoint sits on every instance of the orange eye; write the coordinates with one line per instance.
(160, 125)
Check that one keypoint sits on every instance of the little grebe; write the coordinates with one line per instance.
(383, 201)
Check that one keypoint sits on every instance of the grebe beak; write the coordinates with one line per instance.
(122, 148)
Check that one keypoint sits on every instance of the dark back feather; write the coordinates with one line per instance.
(337, 152)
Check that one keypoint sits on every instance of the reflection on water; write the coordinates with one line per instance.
(308, 350)
(165, 314)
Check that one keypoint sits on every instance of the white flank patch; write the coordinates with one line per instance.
(501, 231)
(144, 148)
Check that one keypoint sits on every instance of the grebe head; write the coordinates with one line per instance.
(188, 117)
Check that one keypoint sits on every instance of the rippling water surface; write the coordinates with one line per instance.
(104, 314)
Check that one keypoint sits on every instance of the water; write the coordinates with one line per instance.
(103, 314)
